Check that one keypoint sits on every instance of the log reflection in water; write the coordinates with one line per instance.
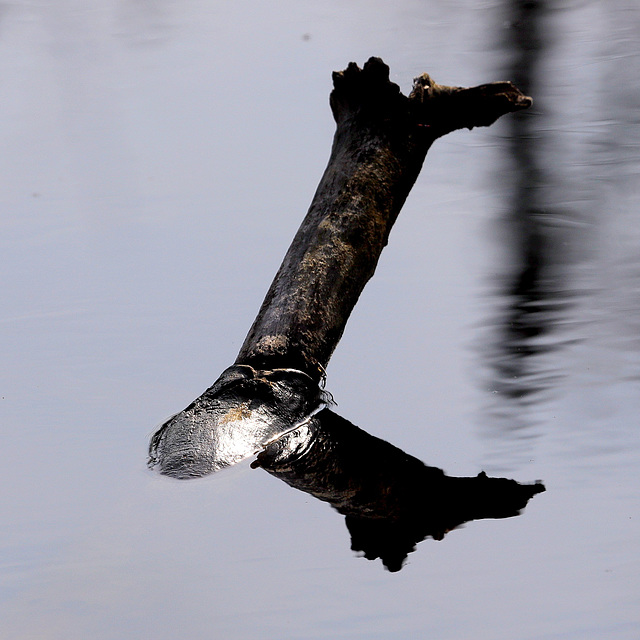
(391, 500)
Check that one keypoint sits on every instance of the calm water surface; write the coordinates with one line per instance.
(157, 159)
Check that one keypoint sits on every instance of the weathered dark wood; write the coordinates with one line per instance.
(381, 141)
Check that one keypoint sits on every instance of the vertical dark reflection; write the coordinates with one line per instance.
(534, 294)
(531, 290)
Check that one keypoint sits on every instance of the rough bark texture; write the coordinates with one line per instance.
(381, 141)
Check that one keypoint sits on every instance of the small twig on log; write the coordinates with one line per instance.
(451, 108)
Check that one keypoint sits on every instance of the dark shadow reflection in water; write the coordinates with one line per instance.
(544, 235)
(535, 292)
(390, 500)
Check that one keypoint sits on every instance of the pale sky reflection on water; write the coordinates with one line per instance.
(158, 158)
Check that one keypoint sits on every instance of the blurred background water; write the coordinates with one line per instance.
(157, 159)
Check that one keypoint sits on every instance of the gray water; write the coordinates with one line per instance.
(157, 159)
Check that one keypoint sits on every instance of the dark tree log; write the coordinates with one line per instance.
(379, 147)
(381, 140)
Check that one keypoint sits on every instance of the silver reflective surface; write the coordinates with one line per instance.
(237, 417)
(157, 160)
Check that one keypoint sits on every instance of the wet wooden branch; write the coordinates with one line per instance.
(381, 140)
